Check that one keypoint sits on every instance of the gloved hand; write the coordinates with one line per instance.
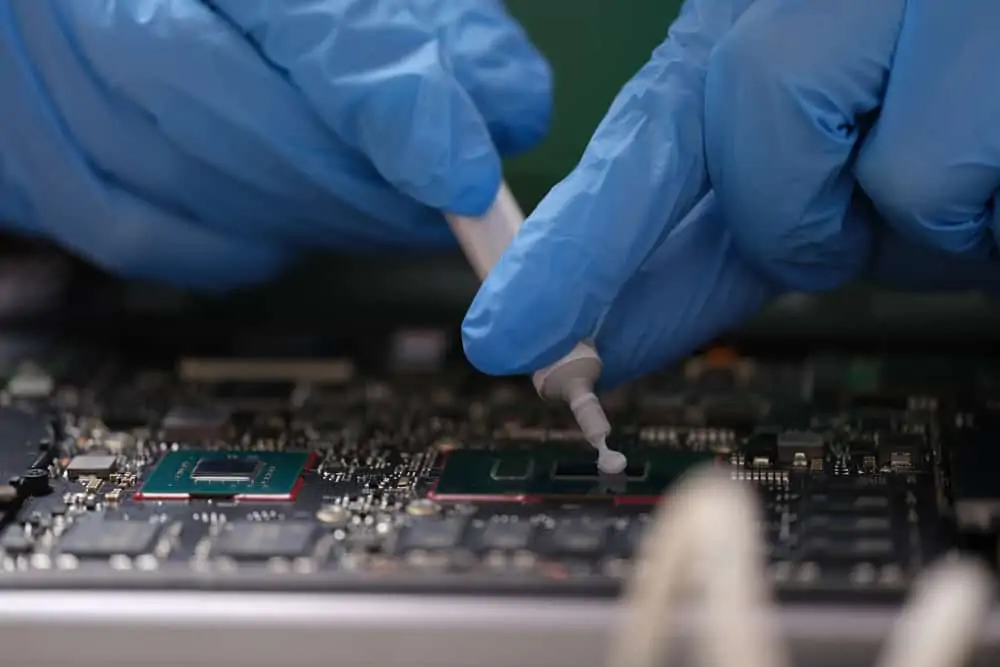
(728, 171)
(205, 142)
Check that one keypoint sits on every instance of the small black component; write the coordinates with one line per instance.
(510, 536)
(184, 423)
(974, 481)
(716, 379)
(624, 542)
(96, 538)
(97, 465)
(876, 419)
(879, 403)
(15, 540)
(44, 459)
(900, 451)
(22, 434)
(578, 538)
(848, 523)
(366, 540)
(852, 549)
(761, 450)
(799, 447)
(432, 534)
(256, 540)
(35, 482)
(740, 412)
(124, 417)
(864, 448)
(858, 501)
(230, 469)
(56, 432)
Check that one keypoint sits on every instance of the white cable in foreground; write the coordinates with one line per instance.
(703, 547)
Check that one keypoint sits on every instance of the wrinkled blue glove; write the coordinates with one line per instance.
(764, 148)
(206, 142)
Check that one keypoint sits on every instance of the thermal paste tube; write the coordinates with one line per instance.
(572, 378)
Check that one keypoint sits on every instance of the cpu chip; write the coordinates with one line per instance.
(253, 540)
(560, 471)
(100, 539)
(240, 475)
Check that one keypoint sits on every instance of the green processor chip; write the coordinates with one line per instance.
(546, 472)
(185, 475)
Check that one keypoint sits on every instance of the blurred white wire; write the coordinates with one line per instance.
(704, 547)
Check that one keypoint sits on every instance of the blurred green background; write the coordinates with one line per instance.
(586, 77)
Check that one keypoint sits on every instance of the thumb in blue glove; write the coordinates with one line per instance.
(721, 177)
(207, 143)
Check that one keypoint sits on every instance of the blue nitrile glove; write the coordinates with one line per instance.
(725, 173)
(205, 142)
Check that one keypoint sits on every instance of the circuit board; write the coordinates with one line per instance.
(280, 473)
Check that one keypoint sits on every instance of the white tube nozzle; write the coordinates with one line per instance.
(572, 378)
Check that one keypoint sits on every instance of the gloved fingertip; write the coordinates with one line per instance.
(493, 353)
(486, 351)
(477, 348)
(473, 184)
(528, 132)
(504, 333)
(520, 117)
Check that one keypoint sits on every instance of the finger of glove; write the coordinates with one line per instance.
(256, 161)
(641, 173)
(74, 207)
(931, 163)
(787, 90)
(695, 287)
(493, 58)
(378, 76)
